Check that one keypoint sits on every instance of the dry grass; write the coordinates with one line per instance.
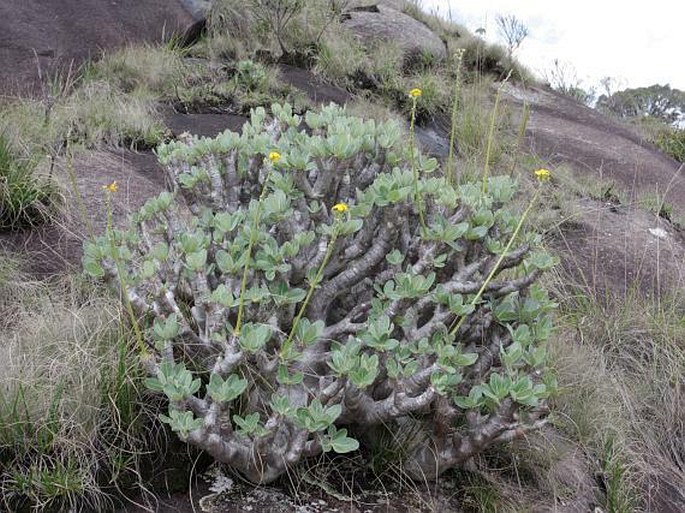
(98, 114)
(156, 69)
(622, 364)
(69, 417)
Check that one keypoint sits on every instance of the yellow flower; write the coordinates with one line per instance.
(274, 157)
(113, 187)
(543, 175)
(415, 93)
(340, 208)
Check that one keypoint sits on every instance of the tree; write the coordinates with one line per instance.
(512, 30)
(656, 101)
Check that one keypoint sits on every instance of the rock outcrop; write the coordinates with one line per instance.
(38, 37)
(383, 21)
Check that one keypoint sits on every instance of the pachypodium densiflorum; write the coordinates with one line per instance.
(353, 313)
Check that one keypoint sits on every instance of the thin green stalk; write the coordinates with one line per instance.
(491, 133)
(274, 157)
(521, 134)
(312, 286)
(459, 55)
(415, 93)
(111, 189)
(494, 270)
(85, 218)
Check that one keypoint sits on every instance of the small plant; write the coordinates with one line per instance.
(619, 495)
(657, 204)
(251, 76)
(25, 199)
(300, 298)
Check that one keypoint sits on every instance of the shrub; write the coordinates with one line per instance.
(672, 142)
(301, 299)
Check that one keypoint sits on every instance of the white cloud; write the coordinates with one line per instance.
(641, 43)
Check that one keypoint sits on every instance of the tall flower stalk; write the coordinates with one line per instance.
(459, 56)
(110, 190)
(339, 211)
(542, 175)
(491, 133)
(415, 94)
(273, 157)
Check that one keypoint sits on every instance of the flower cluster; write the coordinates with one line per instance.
(112, 187)
(543, 175)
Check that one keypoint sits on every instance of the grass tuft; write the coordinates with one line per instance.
(26, 199)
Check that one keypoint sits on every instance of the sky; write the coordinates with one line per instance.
(635, 43)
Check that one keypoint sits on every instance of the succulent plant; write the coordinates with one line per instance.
(296, 299)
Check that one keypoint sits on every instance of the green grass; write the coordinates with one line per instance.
(156, 69)
(97, 114)
(27, 199)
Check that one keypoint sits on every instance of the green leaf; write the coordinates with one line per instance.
(506, 310)
(182, 422)
(477, 233)
(284, 377)
(148, 269)
(93, 268)
(166, 329)
(471, 402)
(253, 337)
(197, 261)
(154, 384)
(444, 382)
(249, 425)
(344, 357)
(337, 440)
(465, 359)
(282, 405)
(394, 257)
(224, 297)
(224, 391)
(316, 417)
(160, 252)
(365, 372)
(308, 333)
(226, 223)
